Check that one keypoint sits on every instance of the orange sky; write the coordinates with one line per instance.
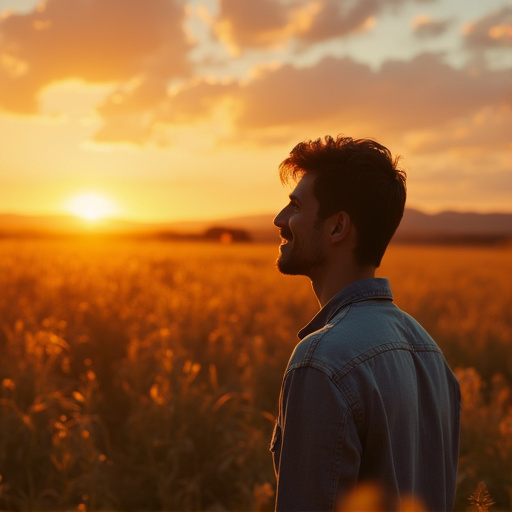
(183, 109)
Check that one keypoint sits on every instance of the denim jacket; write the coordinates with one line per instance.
(367, 397)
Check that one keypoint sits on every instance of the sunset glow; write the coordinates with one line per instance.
(91, 206)
(185, 108)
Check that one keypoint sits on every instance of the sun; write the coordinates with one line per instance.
(91, 206)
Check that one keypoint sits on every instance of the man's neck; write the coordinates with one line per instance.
(330, 283)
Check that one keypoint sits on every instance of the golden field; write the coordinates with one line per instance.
(145, 375)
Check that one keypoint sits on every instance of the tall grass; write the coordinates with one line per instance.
(145, 376)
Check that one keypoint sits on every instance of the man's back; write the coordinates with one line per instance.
(367, 397)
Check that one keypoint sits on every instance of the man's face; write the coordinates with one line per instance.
(302, 251)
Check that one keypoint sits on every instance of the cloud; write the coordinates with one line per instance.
(336, 19)
(424, 26)
(486, 129)
(401, 96)
(491, 31)
(246, 24)
(128, 113)
(420, 95)
(97, 41)
(140, 48)
(140, 115)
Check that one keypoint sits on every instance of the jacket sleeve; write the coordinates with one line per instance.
(316, 446)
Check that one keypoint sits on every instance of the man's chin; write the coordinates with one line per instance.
(287, 267)
(281, 263)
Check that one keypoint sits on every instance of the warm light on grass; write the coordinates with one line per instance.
(144, 376)
(91, 206)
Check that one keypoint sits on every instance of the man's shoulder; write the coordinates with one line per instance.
(359, 331)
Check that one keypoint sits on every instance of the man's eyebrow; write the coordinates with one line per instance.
(294, 198)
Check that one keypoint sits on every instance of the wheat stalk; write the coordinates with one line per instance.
(480, 499)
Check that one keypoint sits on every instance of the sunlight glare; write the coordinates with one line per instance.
(91, 206)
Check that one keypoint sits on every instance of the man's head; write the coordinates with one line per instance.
(355, 176)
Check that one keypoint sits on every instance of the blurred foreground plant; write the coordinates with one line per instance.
(480, 499)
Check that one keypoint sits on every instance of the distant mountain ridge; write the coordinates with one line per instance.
(454, 227)
(416, 226)
(457, 222)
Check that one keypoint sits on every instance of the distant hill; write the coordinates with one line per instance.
(416, 227)
(454, 228)
(457, 222)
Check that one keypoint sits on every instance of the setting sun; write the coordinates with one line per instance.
(91, 206)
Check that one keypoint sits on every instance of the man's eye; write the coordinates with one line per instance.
(295, 207)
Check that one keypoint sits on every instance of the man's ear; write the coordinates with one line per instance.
(340, 226)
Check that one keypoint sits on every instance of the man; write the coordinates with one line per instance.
(367, 397)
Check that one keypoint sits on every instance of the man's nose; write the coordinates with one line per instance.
(281, 219)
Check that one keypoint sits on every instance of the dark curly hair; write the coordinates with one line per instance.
(357, 176)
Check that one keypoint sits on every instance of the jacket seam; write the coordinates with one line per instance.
(310, 360)
(381, 349)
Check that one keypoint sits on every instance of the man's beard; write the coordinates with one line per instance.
(299, 260)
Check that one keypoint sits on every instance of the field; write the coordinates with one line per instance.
(145, 375)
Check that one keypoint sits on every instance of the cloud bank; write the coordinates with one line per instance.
(142, 48)
(97, 41)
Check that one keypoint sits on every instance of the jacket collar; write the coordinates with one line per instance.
(358, 291)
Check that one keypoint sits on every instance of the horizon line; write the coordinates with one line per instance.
(121, 218)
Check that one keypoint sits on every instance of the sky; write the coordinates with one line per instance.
(171, 110)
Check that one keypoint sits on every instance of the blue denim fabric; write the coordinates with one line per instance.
(367, 397)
